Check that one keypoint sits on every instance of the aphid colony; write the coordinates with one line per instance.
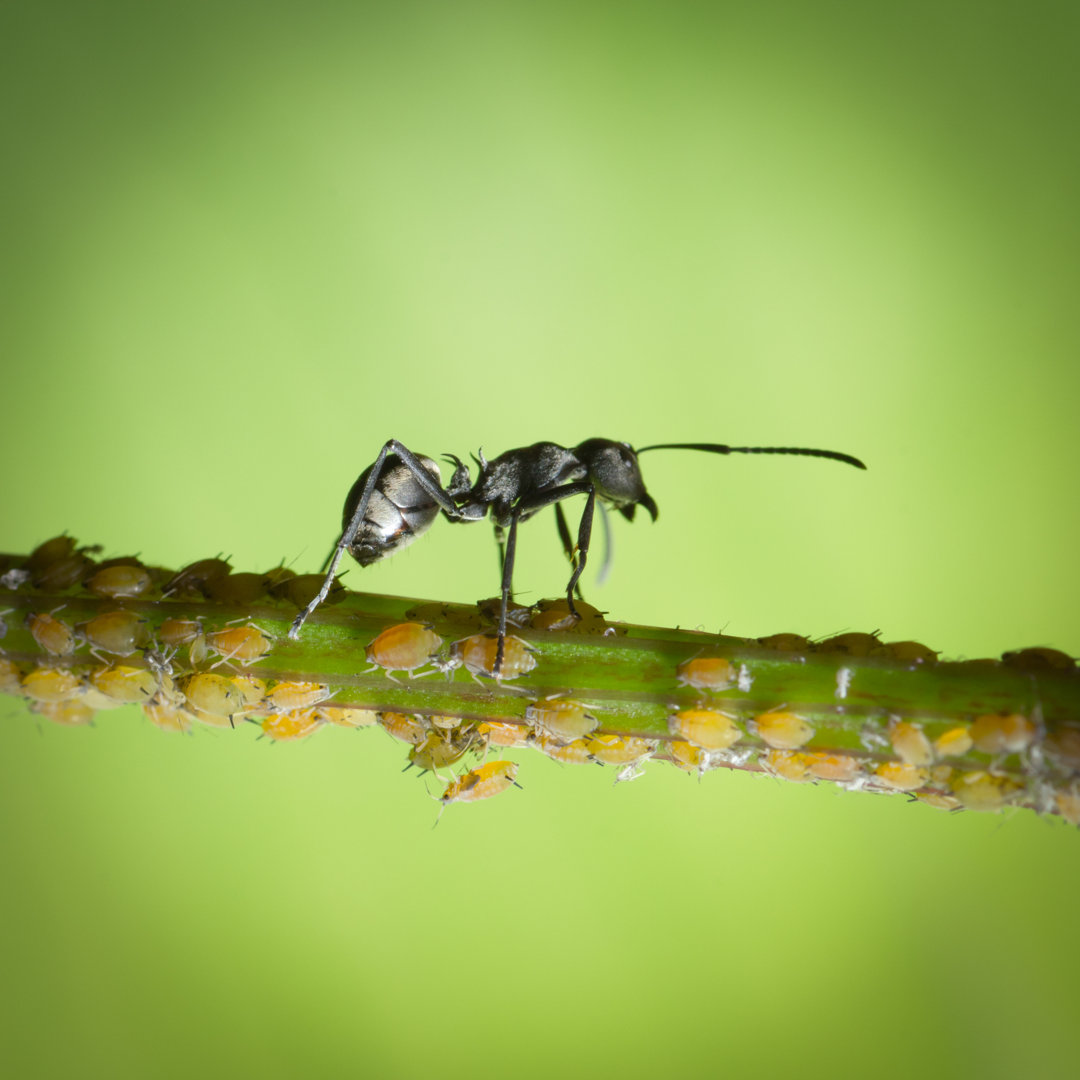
(184, 671)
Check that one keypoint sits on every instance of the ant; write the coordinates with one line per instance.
(399, 497)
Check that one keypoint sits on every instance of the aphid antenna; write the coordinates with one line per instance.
(719, 448)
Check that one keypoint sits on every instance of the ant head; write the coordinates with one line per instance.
(614, 471)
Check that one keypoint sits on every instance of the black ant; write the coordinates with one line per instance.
(401, 494)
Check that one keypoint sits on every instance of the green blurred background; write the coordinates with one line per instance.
(245, 244)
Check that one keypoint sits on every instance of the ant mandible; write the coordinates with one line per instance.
(401, 495)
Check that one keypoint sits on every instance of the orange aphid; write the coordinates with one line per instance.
(68, 713)
(706, 673)
(344, 716)
(291, 696)
(125, 685)
(953, 743)
(410, 729)
(708, 728)
(910, 743)
(477, 654)
(1002, 733)
(900, 776)
(404, 647)
(783, 730)
(169, 717)
(574, 752)
(176, 632)
(245, 644)
(562, 718)
(840, 768)
(52, 634)
(787, 765)
(500, 734)
(117, 632)
(289, 726)
(483, 782)
(112, 582)
(51, 684)
(982, 790)
(610, 749)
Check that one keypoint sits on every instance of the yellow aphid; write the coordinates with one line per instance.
(953, 743)
(939, 801)
(437, 751)
(706, 673)
(982, 790)
(562, 718)
(1068, 805)
(478, 653)
(10, 677)
(125, 685)
(707, 728)
(619, 749)
(252, 690)
(910, 652)
(169, 717)
(853, 644)
(112, 582)
(51, 684)
(347, 717)
(900, 776)
(68, 713)
(910, 743)
(405, 647)
(1002, 733)
(787, 765)
(483, 782)
(291, 696)
(1039, 659)
(410, 729)
(785, 642)
(52, 634)
(783, 730)
(216, 698)
(941, 775)
(688, 757)
(839, 768)
(117, 632)
(574, 752)
(244, 644)
(500, 734)
(290, 726)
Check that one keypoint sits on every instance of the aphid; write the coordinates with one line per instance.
(215, 699)
(852, 644)
(900, 776)
(572, 752)
(290, 726)
(561, 718)
(51, 684)
(839, 768)
(500, 734)
(399, 496)
(706, 673)
(63, 573)
(785, 642)
(67, 713)
(939, 801)
(1039, 659)
(194, 577)
(479, 654)
(176, 632)
(787, 765)
(911, 652)
(49, 552)
(301, 589)
(239, 589)
(403, 726)
(556, 615)
(516, 614)
(252, 690)
(52, 634)
(708, 728)
(783, 730)
(405, 647)
(125, 685)
(1063, 747)
(910, 743)
(169, 717)
(114, 582)
(610, 749)
(117, 632)
(437, 751)
(292, 696)
(244, 644)
(953, 743)
(1002, 733)
(344, 716)
(982, 790)
(483, 782)
(10, 677)
(688, 757)
(1068, 805)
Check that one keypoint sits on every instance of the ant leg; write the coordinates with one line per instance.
(583, 538)
(500, 540)
(507, 586)
(609, 548)
(564, 539)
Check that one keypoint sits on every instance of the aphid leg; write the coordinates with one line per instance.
(422, 477)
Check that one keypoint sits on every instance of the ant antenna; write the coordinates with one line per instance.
(716, 448)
